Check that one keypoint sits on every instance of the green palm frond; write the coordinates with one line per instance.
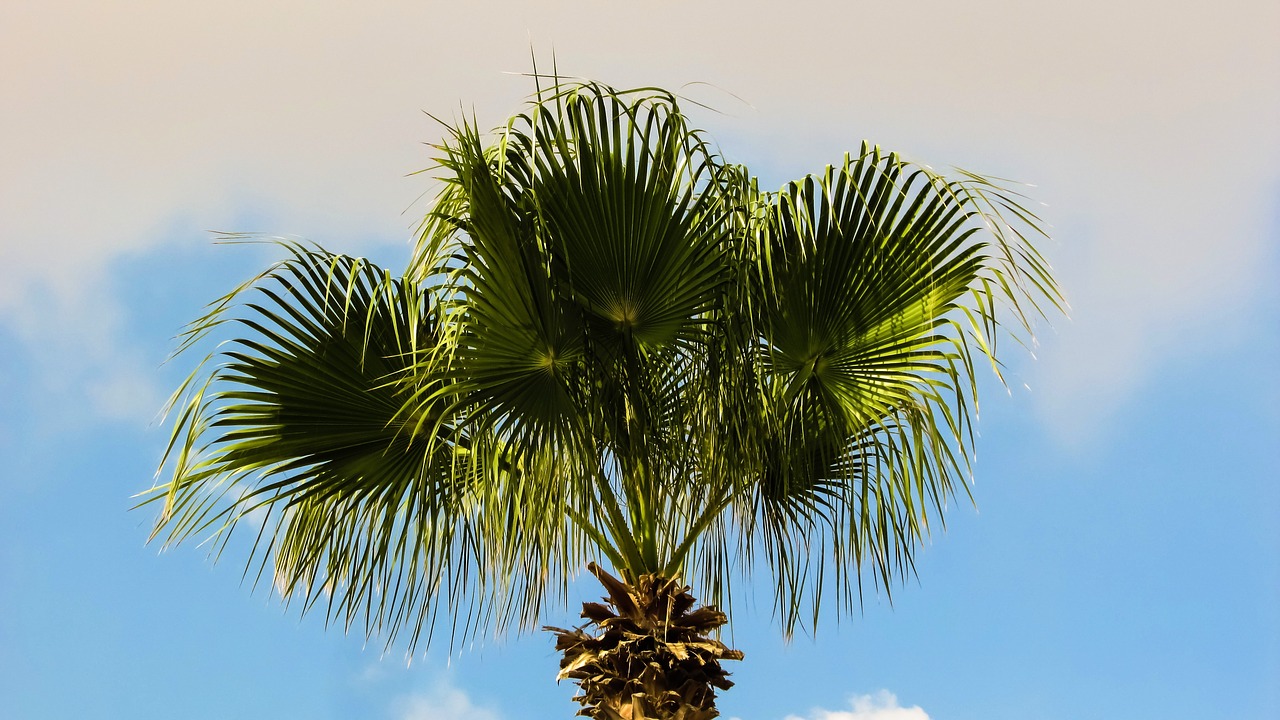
(872, 275)
(302, 421)
(610, 345)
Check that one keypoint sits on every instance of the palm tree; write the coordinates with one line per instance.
(610, 347)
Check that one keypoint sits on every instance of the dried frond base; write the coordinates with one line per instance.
(653, 657)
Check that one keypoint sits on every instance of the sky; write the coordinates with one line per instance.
(1123, 557)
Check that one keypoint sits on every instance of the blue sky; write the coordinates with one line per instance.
(1124, 556)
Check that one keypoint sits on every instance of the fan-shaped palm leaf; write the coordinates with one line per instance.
(611, 345)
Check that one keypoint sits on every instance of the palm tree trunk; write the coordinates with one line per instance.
(652, 657)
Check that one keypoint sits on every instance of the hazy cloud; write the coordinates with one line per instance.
(442, 702)
(882, 705)
(1149, 129)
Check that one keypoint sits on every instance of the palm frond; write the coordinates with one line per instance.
(301, 421)
(610, 344)
(876, 285)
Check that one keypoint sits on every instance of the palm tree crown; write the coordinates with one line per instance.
(610, 346)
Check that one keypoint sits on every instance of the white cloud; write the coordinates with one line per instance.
(77, 365)
(882, 705)
(125, 393)
(443, 701)
(1149, 129)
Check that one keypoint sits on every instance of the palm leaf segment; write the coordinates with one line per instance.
(610, 345)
